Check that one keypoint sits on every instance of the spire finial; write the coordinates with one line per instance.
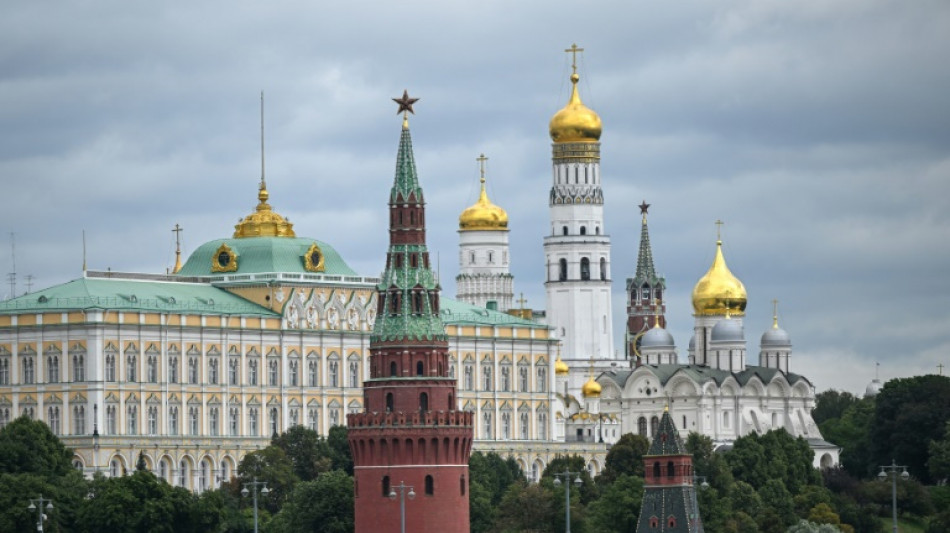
(405, 107)
(573, 50)
(177, 231)
(644, 206)
(774, 314)
(719, 224)
(262, 194)
(522, 301)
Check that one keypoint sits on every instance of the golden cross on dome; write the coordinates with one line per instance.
(573, 50)
(719, 224)
(522, 301)
(774, 313)
(481, 164)
(177, 231)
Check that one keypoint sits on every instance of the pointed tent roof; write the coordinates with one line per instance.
(407, 181)
(646, 272)
(667, 440)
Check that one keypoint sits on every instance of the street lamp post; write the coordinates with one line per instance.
(36, 504)
(891, 470)
(254, 485)
(402, 502)
(567, 493)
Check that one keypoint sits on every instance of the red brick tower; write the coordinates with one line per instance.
(410, 431)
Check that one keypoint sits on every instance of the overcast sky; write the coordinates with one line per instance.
(818, 131)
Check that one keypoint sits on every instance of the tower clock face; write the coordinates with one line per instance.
(224, 259)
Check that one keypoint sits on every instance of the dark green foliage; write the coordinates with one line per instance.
(745, 499)
(324, 505)
(272, 466)
(938, 451)
(625, 458)
(939, 523)
(851, 431)
(490, 476)
(525, 508)
(618, 507)
(572, 463)
(481, 512)
(909, 414)
(832, 404)
(715, 510)
(340, 455)
(139, 502)
(29, 447)
(307, 450)
(758, 459)
(775, 497)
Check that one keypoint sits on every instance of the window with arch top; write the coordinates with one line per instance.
(562, 270)
(585, 268)
(430, 486)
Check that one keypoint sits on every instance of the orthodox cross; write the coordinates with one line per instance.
(573, 50)
(775, 313)
(177, 231)
(940, 368)
(719, 224)
(522, 301)
(481, 164)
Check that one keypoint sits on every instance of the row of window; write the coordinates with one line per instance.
(562, 174)
(28, 371)
(582, 230)
(524, 427)
(505, 384)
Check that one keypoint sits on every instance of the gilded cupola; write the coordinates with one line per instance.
(560, 367)
(591, 389)
(483, 215)
(719, 292)
(263, 222)
(575, 122)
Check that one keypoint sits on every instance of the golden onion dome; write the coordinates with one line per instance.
(575, 122)
(560, 367)
(263, 222)
(591, 389)
(719, 292)
(484, 215)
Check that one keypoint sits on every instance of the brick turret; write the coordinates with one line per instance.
(410, 431)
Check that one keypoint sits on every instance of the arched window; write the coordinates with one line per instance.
(392, 368)
(389, 402)
(419, 368)
(583, 230)
(386, 489)
(562, 270)
(585, 268)
(656, 469)
(423, 402)
(642, 426)
(430, 486)
(654, 425)
(564, 230)
(603, 269)
(670, 469)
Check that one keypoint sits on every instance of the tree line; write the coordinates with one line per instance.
(763, 483)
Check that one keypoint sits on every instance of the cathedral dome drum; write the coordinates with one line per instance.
(727, 330)
(575, 122)
(776, 336)
(655, 338)
(719, 292)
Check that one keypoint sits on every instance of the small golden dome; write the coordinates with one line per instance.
(263, 222)
(560, 367)
(575, 122)
(484, 215)
(719, 292)
(591, 389)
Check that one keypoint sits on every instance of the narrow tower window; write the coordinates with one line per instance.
(603, 269)
(562, 270)
(564, 230)
(585, 268)
(392, 368)
(430, 486)
(419, 368)
(423, 402)
(583, 230)
(389, 402)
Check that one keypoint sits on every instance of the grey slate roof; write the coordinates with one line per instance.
(705, 374)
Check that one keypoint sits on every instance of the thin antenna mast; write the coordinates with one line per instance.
(12, 275)
(263, 183)
(84, 252)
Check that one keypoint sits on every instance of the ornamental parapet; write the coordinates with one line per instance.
(413, 419)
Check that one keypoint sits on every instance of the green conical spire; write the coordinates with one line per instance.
(406, 182)
(646, 273)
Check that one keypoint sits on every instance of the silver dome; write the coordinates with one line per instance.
(656, 337)
(692, 343)
(776, 336)
(874, 387)
(727, 330)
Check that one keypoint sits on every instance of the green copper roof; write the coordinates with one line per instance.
(265, 254)
(460, 313)
(406, 181)
(132, 295)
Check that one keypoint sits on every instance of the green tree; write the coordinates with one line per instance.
(852, 432)
(806, 526)
(715, 509)
(625, 458)
(494, 474)
(525, 508)
(28, 447)
(940, 523)
(832, 404)
(808, 498)
(588, 491)
(776, 455)
(481, 512)
(938, 463)
(324, 505)
(745, 499)
(307, 450)
(775, 497)
(139, 502)
(618, 507)
(272, 466)
(340, 452)
(909, 413)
